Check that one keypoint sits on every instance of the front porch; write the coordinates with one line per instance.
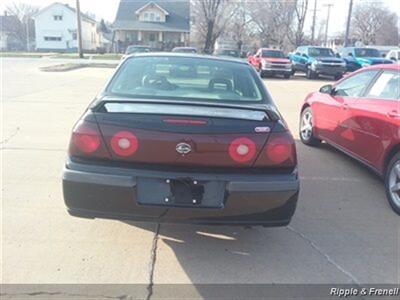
(158, 40)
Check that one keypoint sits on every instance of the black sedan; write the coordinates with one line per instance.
(209, 147)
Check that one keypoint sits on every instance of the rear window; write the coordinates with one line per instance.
(130, 50)
(272, 54)
(186, 78)
(320, 52)
(366, 52)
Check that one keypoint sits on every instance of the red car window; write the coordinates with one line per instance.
(355, 85)
(387, 86)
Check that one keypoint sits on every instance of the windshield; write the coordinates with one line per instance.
(184, 50)
(233, 53)
(366, 52)
(272, 54)
(320, 52)
(136, 49)
(184, 78)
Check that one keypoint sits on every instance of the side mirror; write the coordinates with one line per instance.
(304, 55)
(327, 89)
(337, 55)
(350, 54)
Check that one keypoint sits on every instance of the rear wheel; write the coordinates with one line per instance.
(392, 183)
(307, 129)
(287, 76)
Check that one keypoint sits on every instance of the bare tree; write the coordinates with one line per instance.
(389, 32)
(371, 20)
(239, 29)
(24, 29)
(296, 33)
(272, 19)
(210, 18)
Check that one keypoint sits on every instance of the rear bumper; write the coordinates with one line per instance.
(105, 192)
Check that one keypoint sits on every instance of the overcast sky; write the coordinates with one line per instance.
(107, 9)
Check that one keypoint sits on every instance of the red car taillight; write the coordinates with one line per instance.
(280, 150)
(86, 141)
(124, 143)
(242, 149)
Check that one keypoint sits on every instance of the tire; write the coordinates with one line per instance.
(311, 74)
(287, 76)
(338, 77)
(392, 180)
(307, 134)
(261, 72)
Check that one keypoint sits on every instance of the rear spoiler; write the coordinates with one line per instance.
(201, 109)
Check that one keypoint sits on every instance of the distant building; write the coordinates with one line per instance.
(8, 41)
(56, 29)
(160, 24)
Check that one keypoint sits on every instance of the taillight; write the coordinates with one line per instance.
(280, 150)
(124, 143)
(242, 150)
(86, 141)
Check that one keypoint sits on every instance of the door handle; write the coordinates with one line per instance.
(393, 114)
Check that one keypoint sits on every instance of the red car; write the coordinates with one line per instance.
(179, 137)
(271, 62)
(360, 115)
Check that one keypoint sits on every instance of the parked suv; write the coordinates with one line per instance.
(271, 62)
(315, 61)
(357, 58)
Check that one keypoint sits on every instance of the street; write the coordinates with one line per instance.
(343, 231)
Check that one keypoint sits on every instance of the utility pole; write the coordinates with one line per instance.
(327, 23)
(27, 34)
(79, 29)
(313, 23)
(346, 37)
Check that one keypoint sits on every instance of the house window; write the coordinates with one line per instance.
(152, 37)
(146, 16)
(52, 38)
(57, 18)
(158, 17)
(152, 16)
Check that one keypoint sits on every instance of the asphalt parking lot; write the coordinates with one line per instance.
(343, 231)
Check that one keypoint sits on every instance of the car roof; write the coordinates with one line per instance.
(395, 67)
(188, 55)
(320, 47)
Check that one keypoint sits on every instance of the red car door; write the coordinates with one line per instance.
(332, 111)
(374, 120)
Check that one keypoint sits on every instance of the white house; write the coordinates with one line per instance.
(160, 24)
(56, 29)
